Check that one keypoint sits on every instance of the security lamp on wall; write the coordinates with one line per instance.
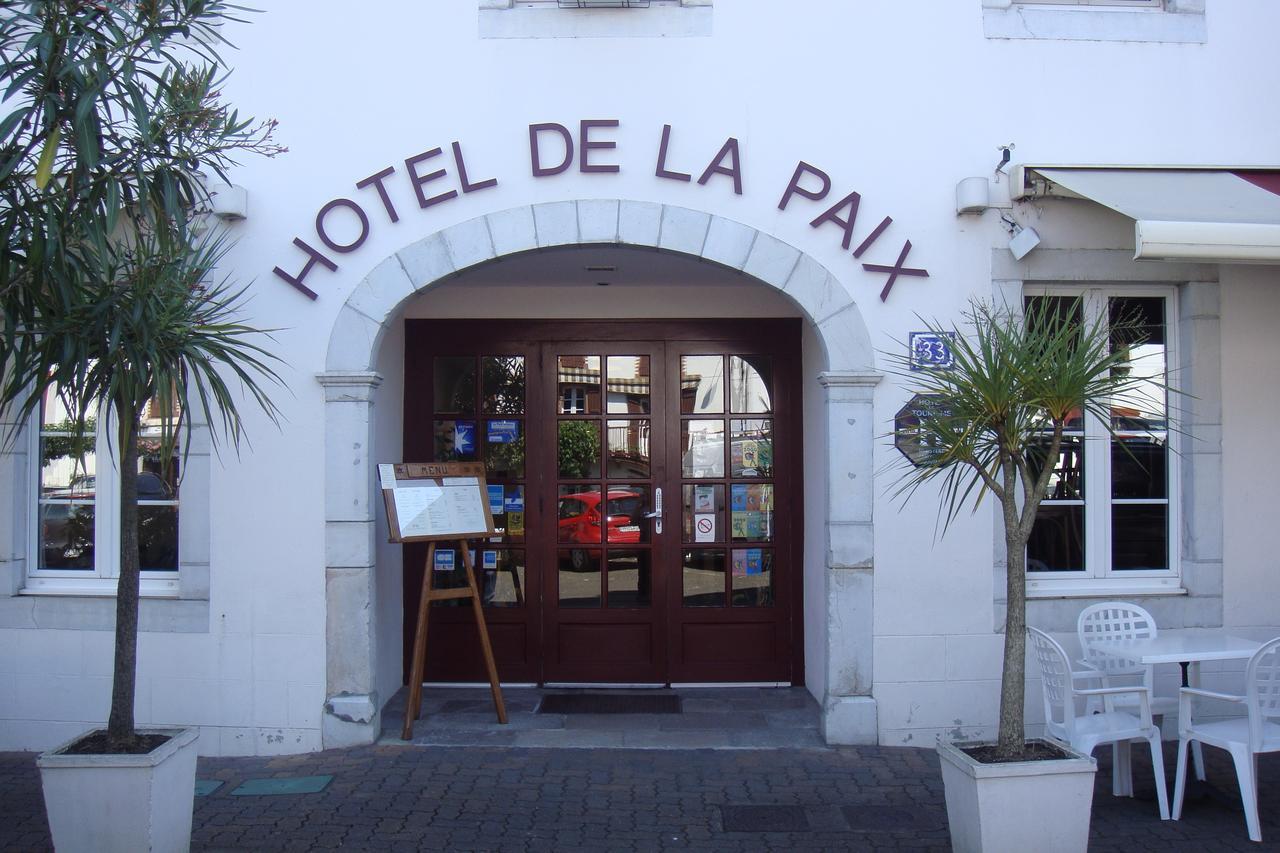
(1022, 239)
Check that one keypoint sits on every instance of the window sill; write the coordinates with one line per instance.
(84, 608)
(1002, 20)
(1095, 588)
(61, 587)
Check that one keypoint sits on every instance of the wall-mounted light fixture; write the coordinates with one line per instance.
(1022, 239)
(228, 202)
(973, 195)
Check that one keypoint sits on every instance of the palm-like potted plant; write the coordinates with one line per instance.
(109, 297)
(992, 426)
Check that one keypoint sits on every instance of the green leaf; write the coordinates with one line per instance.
(44, 170)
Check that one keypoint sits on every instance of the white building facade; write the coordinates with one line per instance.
(688, 235)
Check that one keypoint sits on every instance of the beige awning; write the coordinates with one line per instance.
(1185, 214)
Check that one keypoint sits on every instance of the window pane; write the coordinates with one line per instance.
(157, 537)
(625, 508)
(1057, 539)
(501, 578)
(628, 384)
(504, 449)
(629, 578)
(1138, 330)
(751, 383)
(703, 578)
(455, 384)
(752, 448)
(702, 448)
(503, 384)
(578, 384)
(578, 515)
(1139, 537)
(629, 448)
(751, 511)
(1067, 480)
(1139, 467)
(449, 572)
(704, 513)
(701, 384)
(579, 577)
(455, 441)
(579, 449)
(66, 535)
(752, 577)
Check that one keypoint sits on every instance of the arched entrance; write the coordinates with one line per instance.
(836, 608)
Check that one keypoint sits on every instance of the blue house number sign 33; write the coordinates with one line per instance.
(932, 351)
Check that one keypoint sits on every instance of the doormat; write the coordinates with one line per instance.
(764, 819)
(287, 785)
(608, 703)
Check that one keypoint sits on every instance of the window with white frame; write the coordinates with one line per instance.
(1111, 514)
(1156, 21)
(75, 526)
(1152, 4)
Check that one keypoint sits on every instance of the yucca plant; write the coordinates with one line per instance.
(995, 427)
(111, 122)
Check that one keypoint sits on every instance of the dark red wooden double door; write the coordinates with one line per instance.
(644, 478)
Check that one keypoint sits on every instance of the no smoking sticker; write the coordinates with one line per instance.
(704, 528)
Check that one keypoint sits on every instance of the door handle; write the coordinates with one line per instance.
(656, 515)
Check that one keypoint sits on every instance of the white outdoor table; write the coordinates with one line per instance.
(1179, 648)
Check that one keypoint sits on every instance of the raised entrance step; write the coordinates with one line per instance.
(709, 718)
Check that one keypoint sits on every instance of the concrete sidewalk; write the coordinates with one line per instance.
(407, 797)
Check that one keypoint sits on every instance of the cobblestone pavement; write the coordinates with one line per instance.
(390, 798)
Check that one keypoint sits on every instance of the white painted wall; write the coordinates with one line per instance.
(891, 103)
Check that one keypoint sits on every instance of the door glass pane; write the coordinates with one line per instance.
(625, 510)
(504, 449)
(704, 513)
(503, 384)
(455, 384)
(1057, 539)
(702, 448)
(750, 383)
(578, 572)
(578, 384)
(455, 441)
(629, 578)
(449, 572)
(751, 511)
(578, 515)
(506, 505)
(501, 577)
(752, 577)
(629, 448)
(701, 384)
(751, 453)
(703, 578)
(579, 449)
(1138, 467)
(628, 385)
(1139, 537)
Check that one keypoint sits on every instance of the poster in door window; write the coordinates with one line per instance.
(496, 503)
(444, 560)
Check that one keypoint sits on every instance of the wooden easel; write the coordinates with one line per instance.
(432, 532)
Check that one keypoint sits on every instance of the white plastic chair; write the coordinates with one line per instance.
(1085, 732)
(1243, 737)
(1122, 620)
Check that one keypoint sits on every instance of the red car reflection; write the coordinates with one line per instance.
(579, 516)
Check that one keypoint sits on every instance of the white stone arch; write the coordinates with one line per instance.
(352, 708)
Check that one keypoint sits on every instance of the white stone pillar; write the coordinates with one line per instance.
(352, 709)
(849, 710)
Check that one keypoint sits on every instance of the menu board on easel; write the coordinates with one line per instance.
(435, 500)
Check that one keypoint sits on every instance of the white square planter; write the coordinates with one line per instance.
(126, 803)
(1018, 806)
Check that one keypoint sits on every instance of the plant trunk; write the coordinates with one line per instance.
(1011, 734)
(120, 729)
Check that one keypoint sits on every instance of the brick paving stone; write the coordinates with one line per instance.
(507, 799)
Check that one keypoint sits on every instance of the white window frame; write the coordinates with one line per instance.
(103, 578)
(1148, 4)
(1098, 576)
(1154, 21)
